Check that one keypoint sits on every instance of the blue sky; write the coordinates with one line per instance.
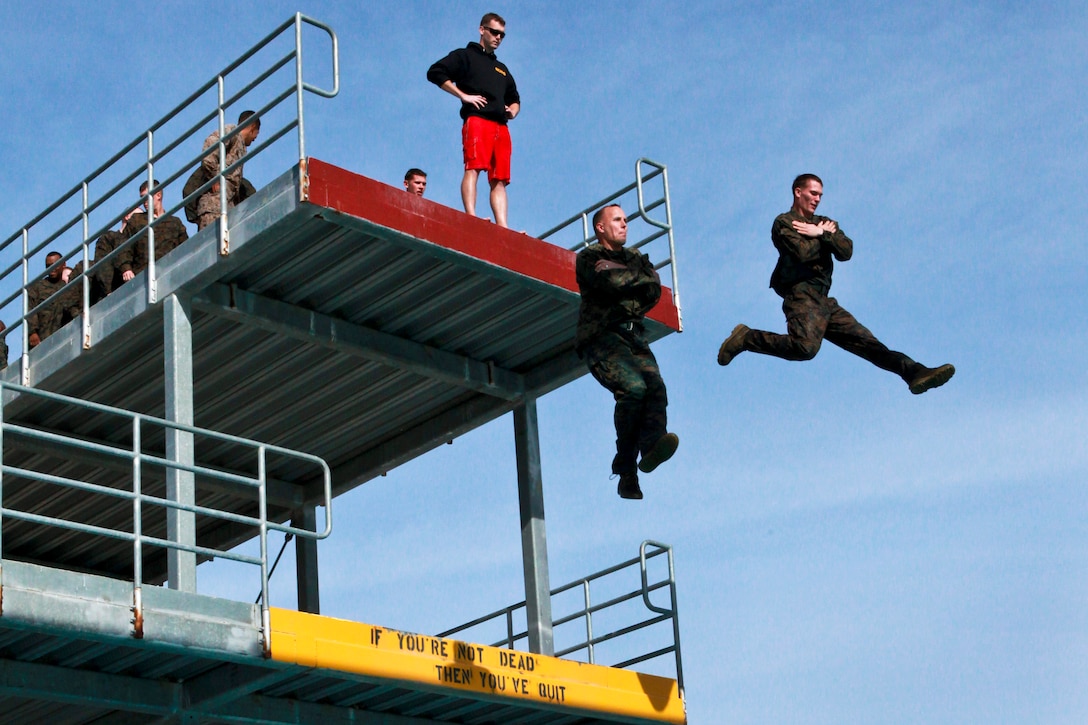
(846, 552)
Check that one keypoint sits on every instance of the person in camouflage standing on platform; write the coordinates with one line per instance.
(618, 287)
(807, 246)
(208, 209)
(170, 233)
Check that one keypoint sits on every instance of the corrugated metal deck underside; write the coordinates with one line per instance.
(115, 686)
(351, 320)
(48, 678)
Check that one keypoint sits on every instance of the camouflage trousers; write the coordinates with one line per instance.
(812, 317)
(208, 208)
(623, 363)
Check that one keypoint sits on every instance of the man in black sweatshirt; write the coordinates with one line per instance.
(489, 99)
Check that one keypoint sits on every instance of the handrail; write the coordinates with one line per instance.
(142, 459)
(642, 209)
(72, 212)
(589, 609)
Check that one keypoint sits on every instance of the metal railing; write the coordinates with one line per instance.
(138, 458)
(82, 216)
(588, 609)
(650, 230)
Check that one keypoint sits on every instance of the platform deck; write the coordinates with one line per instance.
(350, 320)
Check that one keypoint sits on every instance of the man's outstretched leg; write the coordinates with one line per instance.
(929, 378)
(844, 330)
(806, 322)
(733, 345)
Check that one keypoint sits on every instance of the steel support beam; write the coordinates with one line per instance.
(174, 702)
(180, 485)
(260, 710)
(306, 572)
(84, 688)
(534, 543)
(315, 328)
(219, 687)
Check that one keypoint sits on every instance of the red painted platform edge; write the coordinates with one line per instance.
(392, 207)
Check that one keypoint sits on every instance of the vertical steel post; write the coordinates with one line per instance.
(262, 507)
(675, 625)
(672, 242)
(306, 571)
(224, 240)
(149, 207)
(85, 283)
(137, 531)
(3, 401)
(534, 544)
(180, 485)
(24, 359)
(588, 610)
(298, 87)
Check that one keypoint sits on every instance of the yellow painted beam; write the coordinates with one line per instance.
(314, 641)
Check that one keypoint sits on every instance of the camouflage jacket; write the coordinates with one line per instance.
(108, 275)
(50, 318)
(806, 259)
(198, 179)
(105, 277)
(170, 232)
(236, 149)
(102, 276)
(616, 296)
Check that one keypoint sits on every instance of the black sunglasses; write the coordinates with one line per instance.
(496, 33)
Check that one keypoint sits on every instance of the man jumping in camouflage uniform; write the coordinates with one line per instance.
(806, 245)
(619, 286)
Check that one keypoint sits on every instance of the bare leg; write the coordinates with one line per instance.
(468, 190)
(498, 202)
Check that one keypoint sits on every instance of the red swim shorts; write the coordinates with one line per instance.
(487, 147)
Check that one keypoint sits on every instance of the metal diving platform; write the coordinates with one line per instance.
(320, 333)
